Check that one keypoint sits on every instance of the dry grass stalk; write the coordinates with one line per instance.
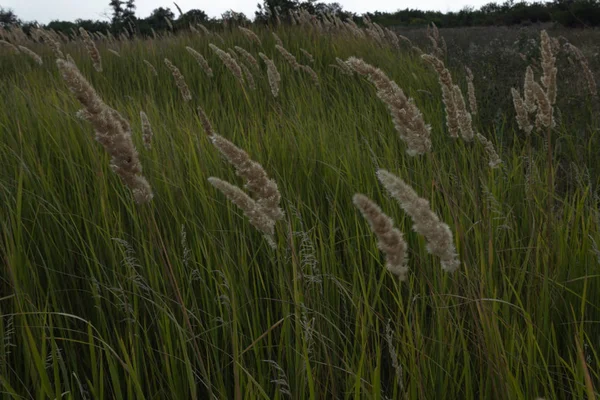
(251, 35)
(206, 125)
(494, 159)
(9, 46)
(308, 56)
(151, 67)
(32, 54)
(92, 50)
(277, 39)
(147, 133)
(522, 112)
(311, 72)
(249, 58)
(112, 131)
(391, 241)
(548, 66)
(408, 120)
(179, 80)
(426, 222)
(229, 62)
(201, 61)
(529, 96)
(445, 79)
(249, 77)
(344, 67)
(272, 74)
(471, 92)
(257, 180)
(464, 118)
(544, 117)
(289, 57)
(250, 208)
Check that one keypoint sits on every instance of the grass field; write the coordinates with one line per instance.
(182, 297)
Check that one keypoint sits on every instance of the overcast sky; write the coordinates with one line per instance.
(47, 10)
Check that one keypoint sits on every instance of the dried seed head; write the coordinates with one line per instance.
(277, 39)
(249, 58)
(308, 56)
(201, 61)
(229, 62)
(116, 53)
(251, 35)
(471, 92)
(179, 80)
(147, 133)
(32, 54)
(391, 242)
(447, 93)
(548, 66)
(529, 96)
(112, 131)
(521, 110)
(208, 129)
(426, 222)
(289, 57)
(464, 118)
(544, 117)
(91, 49)
(311, 72)
(272, 74)
(495, 160)
(151, 67)
(249, 77)
(408, 120)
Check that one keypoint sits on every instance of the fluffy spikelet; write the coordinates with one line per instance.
(391, 242)
(147, 133)
(251, 35)
(249, 58)
(495, 160)
(249, 76)
(311, 72)
(544, 117)
(548, 66)
(91, 49)
(447, 93)
(272, 74)
(277, 39)
(201, 61)
(179, 80)
(204, 29)
(529, 96)
(464, 118)
(521, 110)
(32, 54)
(250, 208)
(289, 57)
(112, 131)
(408, 120)
(54, 45)
(426, 222)
(257, 180)
(229, 62)
(151, 67)
(471, 92)
(206, 125)
(308, 56)
(344, 67)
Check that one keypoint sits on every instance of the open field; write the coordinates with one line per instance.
(182, 297)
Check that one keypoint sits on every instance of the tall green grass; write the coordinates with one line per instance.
(182, 298)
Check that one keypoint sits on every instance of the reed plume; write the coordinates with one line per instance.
(471, 92)
(249, 58)
(548, 67)
(151, 67)
(54, 45)
(91, 49)
(201, 61)
(204, 29)
(249, 77)
(344, 67)
(112, 131)
(257, 180)
(528, 94)
(206, 125)
(179, 80)
(311, 72)
(589, 76)
(289, 57)
(408, 120)
(277, 39)
(426, 222)
(9, 46)
(544, 117)
(272, 74)
(522, 112)
(116, 53)
(308, 56)
(447, 86)
(229, 62)
(464, 118)
(32, 54)
(391, 242)
(147, 133)
(251, 35)
(250, 208)
(494, 158)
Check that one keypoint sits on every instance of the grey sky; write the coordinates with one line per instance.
(46, 10)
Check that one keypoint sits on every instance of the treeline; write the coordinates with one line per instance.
(569, 13)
